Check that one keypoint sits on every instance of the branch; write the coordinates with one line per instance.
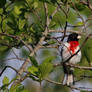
(2, 24)
(15, 54)
(71, 87)
(79, 67)
(24, 65)
(70, 31)
(66, 23)
(14, 58)
(17, 38)
(87, 4)
(79, 15)
(8, 67)
(74, 66)
(54, 82)
(49, 47)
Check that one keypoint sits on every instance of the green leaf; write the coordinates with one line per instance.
(17, 10)
(33, 70)
(49, 59)
(21, 23)
(24, 53)
(85, 91)
(5, 80)
(86, 55)
(53, 24)
(53, 1)
(13, 79)
(79, 23)
(2, 3)
(33, 61)
(4, 87)
(86, 52)
(14, 87)
(25, 90)
(50, 42)
(11, 25)
(64, 1)
(20, 88)
(33, 78)
(45, 69)
(1, 10)
(35, 4)
(6, 90)
(80, 6)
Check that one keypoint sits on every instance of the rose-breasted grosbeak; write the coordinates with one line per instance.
(69, 48)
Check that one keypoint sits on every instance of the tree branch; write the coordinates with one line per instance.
(87, 4)
(24, 65)
(8, 67)
(17, 38)
(71, 87)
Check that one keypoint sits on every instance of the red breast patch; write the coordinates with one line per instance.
(73, 46)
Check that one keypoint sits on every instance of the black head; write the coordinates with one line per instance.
(73, 37)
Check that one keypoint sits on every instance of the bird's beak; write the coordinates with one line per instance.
(79, 37)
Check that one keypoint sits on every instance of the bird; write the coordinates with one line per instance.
(70, 47)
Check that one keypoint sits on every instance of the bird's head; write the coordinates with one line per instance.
(73, 37)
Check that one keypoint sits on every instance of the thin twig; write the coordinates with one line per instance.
(2, 24)
(69, 31)
(74, 66)
(54, 82)
(15, 54)
(17, 38)
(8, 67)
(21, 70)
(13, 58)
(87, 4)
(79, 15)
(79, 67)
(71, 87)
(23, 67)
(49, 47)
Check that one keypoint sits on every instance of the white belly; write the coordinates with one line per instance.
(67, 53)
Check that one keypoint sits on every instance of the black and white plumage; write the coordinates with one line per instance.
(69, 48)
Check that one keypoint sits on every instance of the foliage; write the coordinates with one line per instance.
(23, 22)
(41, 71)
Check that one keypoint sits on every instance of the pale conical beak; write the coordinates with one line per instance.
(79, 37)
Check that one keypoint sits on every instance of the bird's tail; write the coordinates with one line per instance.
(68, 76)
(70, 79)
